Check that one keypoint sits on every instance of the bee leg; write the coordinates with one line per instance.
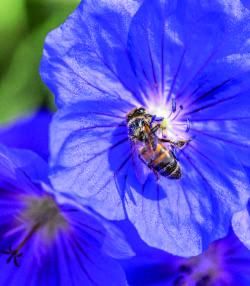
(155, 128)
(174, 151)
(156, 175)
(167, 140)
(141, 159)
(154, 143)
(178, 144)
(181, 143)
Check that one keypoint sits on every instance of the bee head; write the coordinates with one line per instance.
(135, 113)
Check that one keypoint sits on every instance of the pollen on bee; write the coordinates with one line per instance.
(164, 124)
(174, 125)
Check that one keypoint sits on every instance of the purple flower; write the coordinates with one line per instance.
(187, 64)
(46, 239)
(225, 263)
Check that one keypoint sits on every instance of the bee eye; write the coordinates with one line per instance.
(139, 123)
(141, 110)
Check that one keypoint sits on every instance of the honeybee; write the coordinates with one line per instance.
(142, 129)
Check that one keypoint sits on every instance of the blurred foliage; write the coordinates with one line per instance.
(23, 27)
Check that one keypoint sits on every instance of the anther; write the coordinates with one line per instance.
(14, 254)
(179, 281)
(204, 281)
(185, 269)
(188, 125)
(178, 112)
(173, 104)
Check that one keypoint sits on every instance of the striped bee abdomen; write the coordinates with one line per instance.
(169, 168)
(162, 161)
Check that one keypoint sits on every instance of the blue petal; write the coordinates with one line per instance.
(16, 162)
(189, 47)
(87, 139)
(206, 81)
(192, 50)
(115, 243)
(12, 275)
(88, 53)
(29, 132)
(72, 256)
(213, 179)
(152, 267)
(81, 254)
(226, 123)
(241, 226)
(211, 83)
(170, 208)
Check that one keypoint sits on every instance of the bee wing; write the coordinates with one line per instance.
(140, 169)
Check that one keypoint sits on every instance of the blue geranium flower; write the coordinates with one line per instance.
(47, 239)
(187, 64)
(225, 263)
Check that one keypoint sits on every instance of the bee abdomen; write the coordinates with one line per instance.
(169, 168)
(176, 172)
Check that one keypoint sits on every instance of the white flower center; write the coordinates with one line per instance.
(175, 126)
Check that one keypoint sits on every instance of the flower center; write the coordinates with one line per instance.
(41, 214)
(203, 270)
(175, 124)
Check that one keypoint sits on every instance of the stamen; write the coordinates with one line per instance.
(40, 212)
(202, 270)
(180, 281)
(185, 269)
(15, 253)
(204, 281)
(171, 120)
(188, 125)
(178, 113)
(173, 104)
